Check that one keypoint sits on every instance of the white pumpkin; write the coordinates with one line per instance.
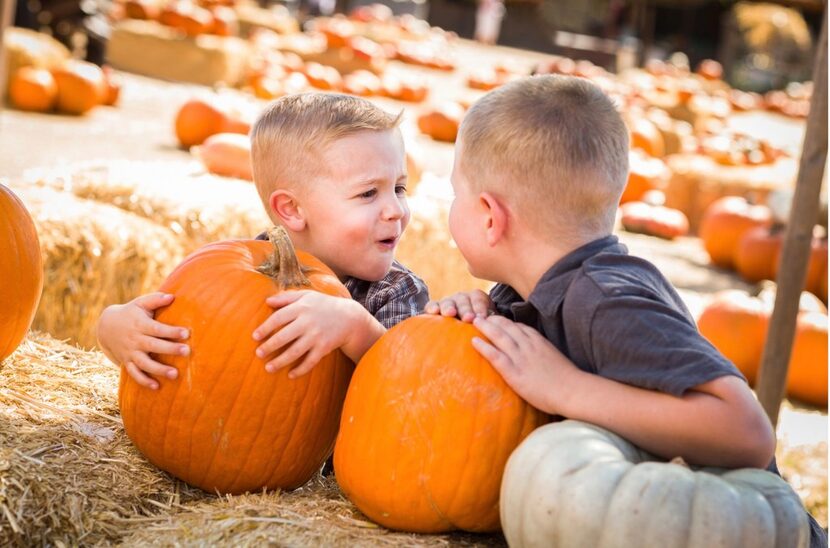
(572, 484)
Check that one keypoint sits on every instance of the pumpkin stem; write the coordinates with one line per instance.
(282, 265)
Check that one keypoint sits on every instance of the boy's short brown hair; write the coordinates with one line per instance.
(555, 147)
(288, 136)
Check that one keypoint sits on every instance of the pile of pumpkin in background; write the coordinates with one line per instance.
(52, 81)
(748, 239)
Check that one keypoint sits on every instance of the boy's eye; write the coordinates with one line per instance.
(369, 193)
(400, 189)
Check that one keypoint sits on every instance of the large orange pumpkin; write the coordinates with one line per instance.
(225, 424)
(21, 271)
(427, 428)
(724, 222)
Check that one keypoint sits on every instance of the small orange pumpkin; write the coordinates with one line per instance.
(227, 154)
(81, 86)
(645, 173)
(21, 270)
(225, 424)
(646, 136)
(807, 376)
(427, 428)
(736, 324)
(198, 119)
(757, 253)
(723, 224)
(442, 122)
(33, 89)
(655, 220)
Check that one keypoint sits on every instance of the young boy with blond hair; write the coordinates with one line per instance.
(331, 170)
(576, 326)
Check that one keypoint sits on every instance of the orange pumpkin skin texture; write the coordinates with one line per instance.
(33, 89)
(81, 87)
(807, 376)
(725, 222)
(225, 424)
(757, 254)
(427, 428)
(21, 271)
(736, 324)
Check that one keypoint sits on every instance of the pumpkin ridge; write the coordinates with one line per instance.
(481, 373)
(228, 426)
(227, 357)
(178, 407)
(297, 398)
(12, 333)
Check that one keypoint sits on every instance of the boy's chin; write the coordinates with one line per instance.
(373, 273)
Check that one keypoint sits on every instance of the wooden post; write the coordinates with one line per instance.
(6, 15)
(797, 239)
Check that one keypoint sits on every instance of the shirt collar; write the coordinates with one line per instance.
(550, 289)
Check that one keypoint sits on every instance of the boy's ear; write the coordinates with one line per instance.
(496, 218)
(285, 206)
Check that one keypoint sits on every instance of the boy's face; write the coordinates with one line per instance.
(356, 211)
(466, 220)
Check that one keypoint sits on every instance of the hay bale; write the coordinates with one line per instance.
(427, 247)
(26, 47)
(152, 49)
(315, 515)
(181, 196)
(93, 255)
(698, 180)
(68, 473)
(70, 476)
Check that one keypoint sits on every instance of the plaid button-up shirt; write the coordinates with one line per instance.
(392, 299)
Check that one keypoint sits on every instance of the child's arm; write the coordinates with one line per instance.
(311, 324)
(466, 305)
(127, 334)
(717, 423)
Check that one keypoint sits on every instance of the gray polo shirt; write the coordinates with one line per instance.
(617, 316)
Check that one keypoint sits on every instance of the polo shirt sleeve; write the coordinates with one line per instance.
(643, 341)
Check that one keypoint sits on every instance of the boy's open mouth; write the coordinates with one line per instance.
(389, 241)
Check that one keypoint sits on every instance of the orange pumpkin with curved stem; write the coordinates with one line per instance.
(427, 428)
(225, 424)
(21, 270)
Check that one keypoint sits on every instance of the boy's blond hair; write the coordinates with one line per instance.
(554, 147)
(289, 135)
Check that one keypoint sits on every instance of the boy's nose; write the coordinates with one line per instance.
(393, 209)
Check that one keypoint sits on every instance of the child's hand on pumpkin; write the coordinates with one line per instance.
(466, 305)
(127, 333)
(528, 362)
(309, 325)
